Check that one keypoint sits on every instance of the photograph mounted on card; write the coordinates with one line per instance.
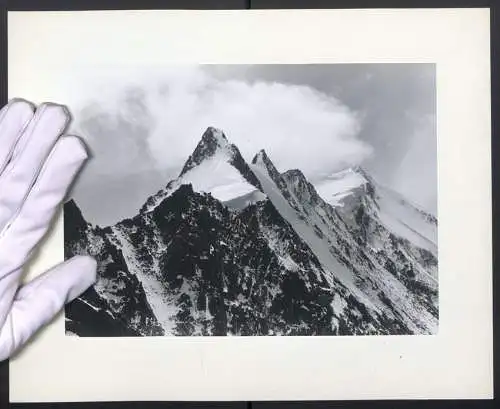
(267, 205)
(219, 217)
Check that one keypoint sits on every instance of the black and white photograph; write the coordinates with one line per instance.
(259, 200)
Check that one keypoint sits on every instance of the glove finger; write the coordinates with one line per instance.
(28, 158)
(34, 218)
(38, 302)
(14, 118)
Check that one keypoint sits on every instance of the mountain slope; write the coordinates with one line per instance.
(230, 248)
(396, 277)
(116, 305)
(208, 271)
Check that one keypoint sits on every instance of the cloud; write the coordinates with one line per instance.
(419, 187)
(141, 120)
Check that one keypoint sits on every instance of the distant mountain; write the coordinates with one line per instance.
(349, 189)
(355, 242)
(231, 248)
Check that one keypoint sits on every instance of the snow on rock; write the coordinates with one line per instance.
(319, 247)
(349, 187)
(230, 248)
(215, 167)
(216, 176)
(407, 220)
(346, 257)
(338, 186)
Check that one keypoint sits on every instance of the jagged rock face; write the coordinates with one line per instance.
(117, 304)
(286, 262)
(305, 192)
(212, 142)
(224, 273)
(262, 160)
(227, 278)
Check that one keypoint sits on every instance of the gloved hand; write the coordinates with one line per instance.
(37, 166)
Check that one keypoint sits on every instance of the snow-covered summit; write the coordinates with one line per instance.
(213, 142)
(262, 161)
(348, 182)
(351, 188)
(216, 167)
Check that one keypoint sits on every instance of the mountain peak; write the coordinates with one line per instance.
(355, 176)
(214, 135)
(260, 156)
(262, 160)
(262, 163)
(216, 166)
(73, 216)
(213, 141)
(362, 172)
(300, 186)
(349, 182)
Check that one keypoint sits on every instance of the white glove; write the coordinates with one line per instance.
(37, 167)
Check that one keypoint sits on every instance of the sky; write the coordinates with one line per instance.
(141, 126)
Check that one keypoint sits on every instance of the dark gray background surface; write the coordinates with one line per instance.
(270, 4)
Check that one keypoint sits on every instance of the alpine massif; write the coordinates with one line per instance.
(237, 248)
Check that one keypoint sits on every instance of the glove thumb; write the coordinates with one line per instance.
(37, 302)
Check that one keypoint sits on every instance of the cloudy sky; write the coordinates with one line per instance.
(140, 127)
